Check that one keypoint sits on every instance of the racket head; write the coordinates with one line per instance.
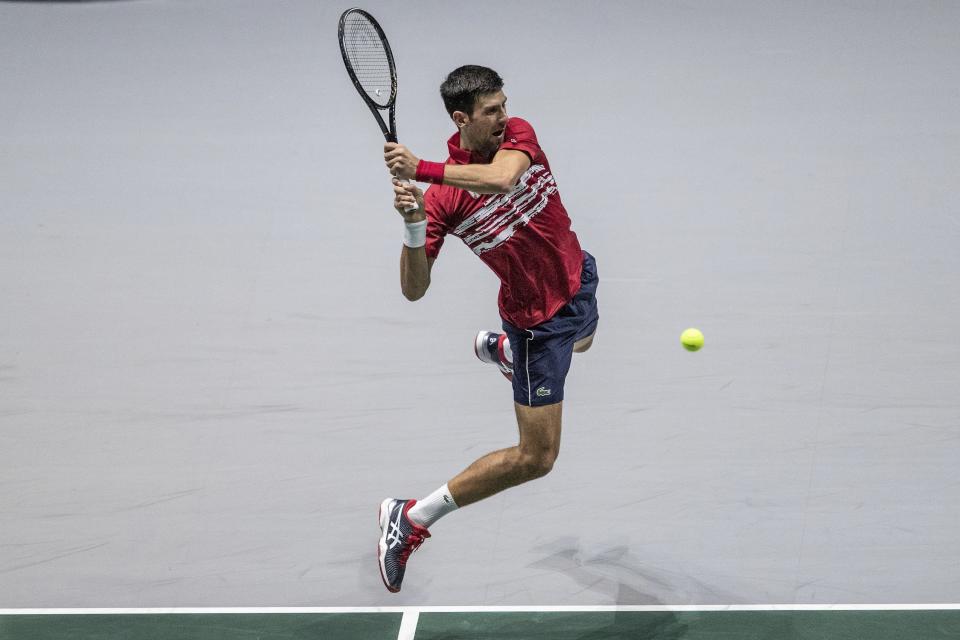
(368, 59)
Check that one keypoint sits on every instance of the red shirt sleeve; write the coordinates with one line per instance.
(520, 135)
(437, 228)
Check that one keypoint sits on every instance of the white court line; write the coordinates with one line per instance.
(485, 609)
(408, 626)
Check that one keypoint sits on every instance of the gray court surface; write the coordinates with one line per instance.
(209, 378)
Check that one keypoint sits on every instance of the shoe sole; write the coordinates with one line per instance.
(384, 517)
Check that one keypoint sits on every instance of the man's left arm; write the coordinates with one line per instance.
(500, 176)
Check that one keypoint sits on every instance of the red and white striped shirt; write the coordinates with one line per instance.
(524, 236)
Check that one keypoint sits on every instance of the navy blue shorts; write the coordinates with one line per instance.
(542, 353)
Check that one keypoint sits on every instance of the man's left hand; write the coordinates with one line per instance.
(400, 162)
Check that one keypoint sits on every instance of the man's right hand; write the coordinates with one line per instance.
(405, 194)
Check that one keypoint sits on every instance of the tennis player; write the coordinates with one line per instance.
(497, 194)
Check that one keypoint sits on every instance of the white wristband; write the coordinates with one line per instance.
(415, 234)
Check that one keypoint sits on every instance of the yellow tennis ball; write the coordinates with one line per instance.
(691, 339)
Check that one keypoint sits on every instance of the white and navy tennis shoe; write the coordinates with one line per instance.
(489, 348)
(399, 537)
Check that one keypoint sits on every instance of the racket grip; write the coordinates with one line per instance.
(413, 207)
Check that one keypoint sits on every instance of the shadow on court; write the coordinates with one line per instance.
(612, 571)
(620, 575)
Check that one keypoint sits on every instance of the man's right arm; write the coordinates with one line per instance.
(415, 266)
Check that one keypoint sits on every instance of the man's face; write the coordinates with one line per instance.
(482, 131)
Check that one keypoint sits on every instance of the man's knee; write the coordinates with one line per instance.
(538, 464)
(539, 439)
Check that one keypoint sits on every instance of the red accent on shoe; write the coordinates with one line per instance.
(503, 358)
(500, 352)
(416, 537)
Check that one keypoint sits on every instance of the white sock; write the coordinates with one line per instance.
(507, 351)
(433, 507)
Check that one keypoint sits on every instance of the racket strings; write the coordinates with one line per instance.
(368, 59)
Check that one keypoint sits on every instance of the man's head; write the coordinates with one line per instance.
(474, 98)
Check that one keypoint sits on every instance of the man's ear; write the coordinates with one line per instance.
(460, 118)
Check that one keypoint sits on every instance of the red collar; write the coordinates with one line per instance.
(458, 155)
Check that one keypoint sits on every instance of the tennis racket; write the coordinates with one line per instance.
(369, 62)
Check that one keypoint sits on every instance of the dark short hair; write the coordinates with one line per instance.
(465, 84)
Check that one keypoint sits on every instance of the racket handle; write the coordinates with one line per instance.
(391, 136)
(413, 207)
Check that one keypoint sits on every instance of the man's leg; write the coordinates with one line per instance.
(532, 458)
(582, 345)
(403, 523)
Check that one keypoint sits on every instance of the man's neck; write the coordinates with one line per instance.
(481, 155)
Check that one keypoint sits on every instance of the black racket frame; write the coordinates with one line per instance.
(390, 133)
